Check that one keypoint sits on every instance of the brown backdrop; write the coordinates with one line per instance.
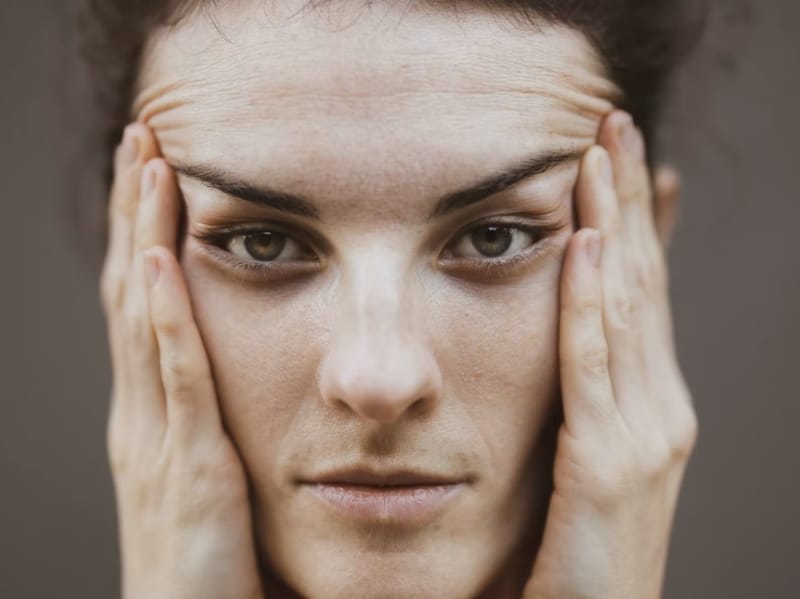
(736, 291)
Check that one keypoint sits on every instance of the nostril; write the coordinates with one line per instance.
(418, 407)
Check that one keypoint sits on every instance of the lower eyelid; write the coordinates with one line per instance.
(536, 234)
(213, 246)
(231, 265)
(518, 263)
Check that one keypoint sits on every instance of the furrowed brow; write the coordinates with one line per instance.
(249, 192)
(494, 184)
(304, 207)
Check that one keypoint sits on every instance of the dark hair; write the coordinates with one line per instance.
(641, 42)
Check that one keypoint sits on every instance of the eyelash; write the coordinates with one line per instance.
(218, 240)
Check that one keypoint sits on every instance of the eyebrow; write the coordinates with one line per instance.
(302, 206)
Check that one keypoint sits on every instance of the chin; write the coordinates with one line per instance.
(351, 543)
(445, 559)
(348, 572)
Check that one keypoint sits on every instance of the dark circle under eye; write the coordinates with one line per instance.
(492, 241)
(265, 245)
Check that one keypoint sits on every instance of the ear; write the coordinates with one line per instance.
(666, 191)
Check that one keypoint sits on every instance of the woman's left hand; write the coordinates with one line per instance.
(629, 425)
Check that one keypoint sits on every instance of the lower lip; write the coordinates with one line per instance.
(388, 505)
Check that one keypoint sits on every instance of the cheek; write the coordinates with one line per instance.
(505, 371)
(264, 352)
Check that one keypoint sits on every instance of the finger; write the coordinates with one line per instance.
(583, 353)
(142, 352)
(598, 207)
(157, 223)
(191, 399)
(646, 265)
(137, 146)
(625, 144)
(626, 147)
(667, 184)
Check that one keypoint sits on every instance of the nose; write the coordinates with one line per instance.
(379, 365)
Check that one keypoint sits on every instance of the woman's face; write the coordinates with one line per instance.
(383, 323)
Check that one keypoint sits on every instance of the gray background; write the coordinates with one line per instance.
(736, 292)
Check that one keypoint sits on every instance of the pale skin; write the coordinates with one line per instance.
(200, 459)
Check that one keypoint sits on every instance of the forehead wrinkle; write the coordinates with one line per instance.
(168, 101)
(400, 159)
(219, 98)
(350, 78)
(161, 97)
(266, 96)
(334, 63)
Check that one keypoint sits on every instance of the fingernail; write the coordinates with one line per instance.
(604, 168)
(152, 269)
(148, 179)
(593, 249)
(129, 150)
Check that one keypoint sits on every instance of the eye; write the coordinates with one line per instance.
(499, 250)
(493, 241)
(260, 252)
(265, 246)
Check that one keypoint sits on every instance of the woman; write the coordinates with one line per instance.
(364, 262)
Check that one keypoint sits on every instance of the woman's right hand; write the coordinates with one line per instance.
(184, 516)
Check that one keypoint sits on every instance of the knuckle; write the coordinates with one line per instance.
(179, 375)
(587, 303)
(592, 359)
(578, 303)
(112, 290)
(137, 325)
(650, 275)
(636, 189)
(167, 327)
(623, 311)
(603, 410)
(180, 392)
(656, 460)
(685, 439)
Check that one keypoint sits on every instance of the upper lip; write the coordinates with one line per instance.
(377, 478)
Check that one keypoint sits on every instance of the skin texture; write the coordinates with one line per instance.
(369, 349)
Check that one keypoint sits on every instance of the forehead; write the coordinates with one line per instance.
(259, 82)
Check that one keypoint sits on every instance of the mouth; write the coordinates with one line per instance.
(397, 497)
